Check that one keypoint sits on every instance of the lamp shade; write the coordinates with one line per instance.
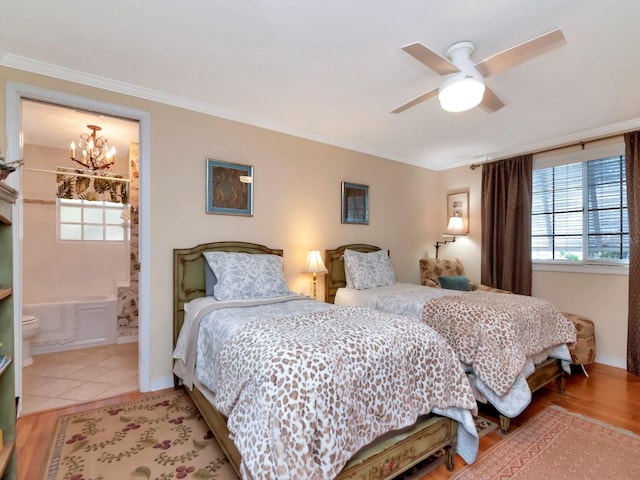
(315, 263)
(461, 91)
(455, 226)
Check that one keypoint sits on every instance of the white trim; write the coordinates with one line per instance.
(55, 71)
(42, 68)
(129, 339)
(579, 267)
(557, 142)
(611, 361)
(161, 383)
(15, 92)
(580, 156)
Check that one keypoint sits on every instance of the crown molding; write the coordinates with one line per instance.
(584, 136)
(42, 68)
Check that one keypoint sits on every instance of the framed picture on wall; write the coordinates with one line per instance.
(355, 203)
(458, 206)
(229, 188)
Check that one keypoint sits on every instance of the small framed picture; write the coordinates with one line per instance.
(458, 206)
(229, 188)
(355, 203)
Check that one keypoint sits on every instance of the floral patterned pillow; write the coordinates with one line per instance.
(368, 270)
(244, 276)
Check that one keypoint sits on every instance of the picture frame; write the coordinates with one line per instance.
(355, 203)
(229, 188)
(458, 205)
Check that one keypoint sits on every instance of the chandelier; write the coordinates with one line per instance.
(96, 154)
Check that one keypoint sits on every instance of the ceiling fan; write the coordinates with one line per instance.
(460, 72)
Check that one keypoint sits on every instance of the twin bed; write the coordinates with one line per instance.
(509, 345)
(294, 388)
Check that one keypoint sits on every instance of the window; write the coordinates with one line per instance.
(579, 212)
(88, 220)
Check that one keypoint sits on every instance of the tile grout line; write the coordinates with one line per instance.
(43, 375)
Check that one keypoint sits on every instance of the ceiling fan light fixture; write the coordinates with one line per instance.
(461, 91)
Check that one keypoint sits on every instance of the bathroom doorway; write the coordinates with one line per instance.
(80, 260)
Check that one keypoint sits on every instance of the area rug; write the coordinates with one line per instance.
(557, 444)
(160, 437)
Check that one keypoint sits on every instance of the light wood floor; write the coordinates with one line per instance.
(609, 394)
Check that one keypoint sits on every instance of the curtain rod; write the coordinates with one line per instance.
(76, 174)
(582, 144)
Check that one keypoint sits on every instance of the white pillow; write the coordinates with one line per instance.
(247, 275)
(368, 270)
(347, 277)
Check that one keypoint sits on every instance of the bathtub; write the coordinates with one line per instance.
(69, 324)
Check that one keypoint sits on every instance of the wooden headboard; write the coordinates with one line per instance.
(188, 273)
(335, 265)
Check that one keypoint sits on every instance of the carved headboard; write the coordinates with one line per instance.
(335, 265)
(188, 273)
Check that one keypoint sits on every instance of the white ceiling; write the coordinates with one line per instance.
(332, 70)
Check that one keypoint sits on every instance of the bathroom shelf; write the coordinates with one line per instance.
(7, 371)
(5, 456)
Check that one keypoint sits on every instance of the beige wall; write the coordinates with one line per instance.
(297, 198)
(602, 298)
(467, 248)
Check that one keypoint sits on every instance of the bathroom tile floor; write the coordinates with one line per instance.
(56, 380)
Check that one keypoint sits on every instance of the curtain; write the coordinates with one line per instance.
(632, 159)
(506, 224)
(94, 186)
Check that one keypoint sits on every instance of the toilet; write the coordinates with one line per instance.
(30, 328)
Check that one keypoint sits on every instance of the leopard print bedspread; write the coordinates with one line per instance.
(303, 394)
(495, 333)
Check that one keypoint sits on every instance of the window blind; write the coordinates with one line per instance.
(579, 212)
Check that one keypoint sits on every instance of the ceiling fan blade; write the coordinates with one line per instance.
(422, 98)
(521, 53)
(490, 102)
(430, 59)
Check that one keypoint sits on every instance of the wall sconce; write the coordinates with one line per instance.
(315, 265)
(454, 228)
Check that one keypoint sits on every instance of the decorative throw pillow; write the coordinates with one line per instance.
(347, 277)
(244, 276)
(368, 270)
(455, 282)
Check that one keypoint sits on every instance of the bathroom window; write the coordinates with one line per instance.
(87, 220)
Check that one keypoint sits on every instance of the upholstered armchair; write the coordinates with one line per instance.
(432, 268)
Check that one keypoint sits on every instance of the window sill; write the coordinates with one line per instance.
(579, 267)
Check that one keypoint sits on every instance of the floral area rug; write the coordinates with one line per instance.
(161, 437)
(557, 444)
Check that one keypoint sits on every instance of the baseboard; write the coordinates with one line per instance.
(128, 339)
(161, 383)
(611, 361)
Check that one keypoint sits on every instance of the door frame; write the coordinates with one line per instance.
(15, 93)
